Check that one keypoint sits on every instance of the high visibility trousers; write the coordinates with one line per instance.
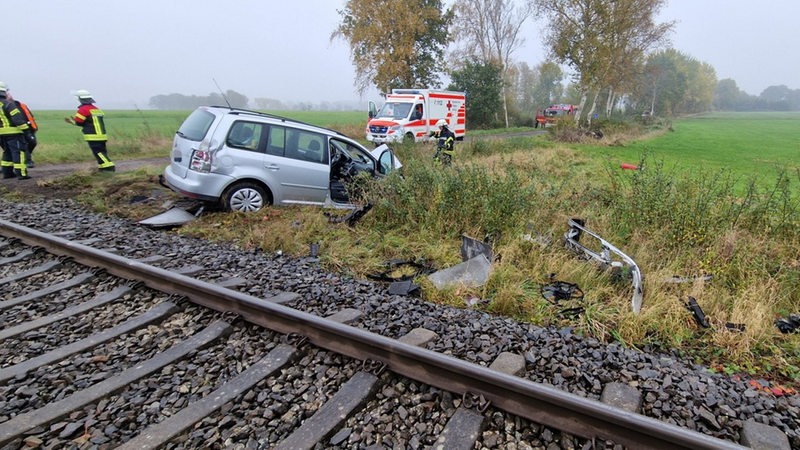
(101, 155)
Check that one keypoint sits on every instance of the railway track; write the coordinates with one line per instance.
(104, 351)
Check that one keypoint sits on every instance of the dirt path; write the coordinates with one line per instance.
(41, 174)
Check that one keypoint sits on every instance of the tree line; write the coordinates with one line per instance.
(616, 54)
(615, 50)
(238, 100)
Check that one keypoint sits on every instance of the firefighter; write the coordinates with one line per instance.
(30, 138)
(90, 118)
(445, 146)
(13, 131)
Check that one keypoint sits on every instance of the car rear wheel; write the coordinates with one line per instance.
(246, 197)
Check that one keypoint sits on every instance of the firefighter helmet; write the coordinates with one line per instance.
(83, 94)
(441, 123)
(3, 87)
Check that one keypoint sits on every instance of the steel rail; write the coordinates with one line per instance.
(539, 403)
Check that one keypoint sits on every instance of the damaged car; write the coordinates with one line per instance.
(241, 160)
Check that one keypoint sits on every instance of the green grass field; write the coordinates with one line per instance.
(746, 144)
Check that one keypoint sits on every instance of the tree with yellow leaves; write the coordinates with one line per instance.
(396, 44)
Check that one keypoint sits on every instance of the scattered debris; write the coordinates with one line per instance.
(471, 247)
(737, 327)
(406, 287)
(557, 292)
(173, 217)
(678, 280)
(627, 166)
(138, 199)
(789, 324)
(693, 307)
(401, 283)
(533, 236)
(471, 273)
(700, 318)
(473, 301)
(351, 217)
(419, 267)
(313, 249)
(604, 257)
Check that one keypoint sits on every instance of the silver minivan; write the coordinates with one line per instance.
(245, 160)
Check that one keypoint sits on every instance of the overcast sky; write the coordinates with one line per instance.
(125, 52)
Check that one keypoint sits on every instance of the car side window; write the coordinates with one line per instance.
(277, 141)
(306, 146)
(245, 135)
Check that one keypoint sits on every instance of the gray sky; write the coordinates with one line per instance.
(125, 52)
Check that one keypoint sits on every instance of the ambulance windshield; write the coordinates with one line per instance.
(394, 110)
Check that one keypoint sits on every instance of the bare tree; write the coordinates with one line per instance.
(395, 44)
(489, 30)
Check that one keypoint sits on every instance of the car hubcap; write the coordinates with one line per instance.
(247, 200)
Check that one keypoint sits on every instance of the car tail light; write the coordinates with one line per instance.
(201, 161)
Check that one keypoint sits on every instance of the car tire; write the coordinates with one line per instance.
(246, 197)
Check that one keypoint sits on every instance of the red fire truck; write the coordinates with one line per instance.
(551, 113)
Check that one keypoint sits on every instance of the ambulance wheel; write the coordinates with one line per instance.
(409, 137)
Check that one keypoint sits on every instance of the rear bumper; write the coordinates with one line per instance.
(205, 187)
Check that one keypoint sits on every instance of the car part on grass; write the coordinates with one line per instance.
(533, 236)
(471, 273)
(605, 257)
(557, 292)
(789, 324)
(471, 247)
(738, 327)
(473, 301)
(173, 217)
(420, 267)
(700, 318)
(693, 307)
(352, 216)
(401, 284)
(675, 279)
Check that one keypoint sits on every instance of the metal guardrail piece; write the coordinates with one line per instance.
(605, 256)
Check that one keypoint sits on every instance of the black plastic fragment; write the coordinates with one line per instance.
(693, 307)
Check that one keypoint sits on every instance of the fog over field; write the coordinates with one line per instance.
(127, 52)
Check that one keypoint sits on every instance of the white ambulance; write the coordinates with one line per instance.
(411, 114)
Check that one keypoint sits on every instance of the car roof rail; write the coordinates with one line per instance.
(275, 116)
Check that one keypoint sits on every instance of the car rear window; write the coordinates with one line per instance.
(196, 125)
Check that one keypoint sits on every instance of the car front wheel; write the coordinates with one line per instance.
(246, 197)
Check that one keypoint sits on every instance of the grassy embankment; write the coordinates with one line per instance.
(717, 196)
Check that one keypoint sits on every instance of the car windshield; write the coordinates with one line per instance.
(394, 110)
